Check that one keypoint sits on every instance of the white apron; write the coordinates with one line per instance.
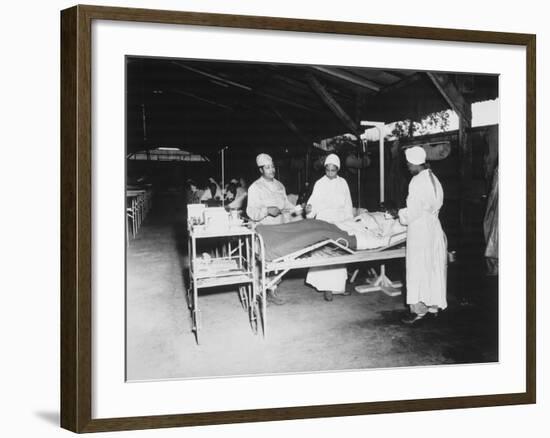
(426, 257)
(331, 202)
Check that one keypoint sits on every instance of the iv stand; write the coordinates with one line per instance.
(222, 150)
(380, 282)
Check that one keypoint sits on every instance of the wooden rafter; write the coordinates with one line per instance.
(202, 99)
(345, 76)
(401, 83)
(286, 101)
(333, 104)
(212, 76)
(292, 127)
(452, 96)
(218, 79)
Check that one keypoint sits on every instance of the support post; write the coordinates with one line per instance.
(458, 103)
(334, 106)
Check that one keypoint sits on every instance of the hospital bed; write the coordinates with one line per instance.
(331, 251)
(310, 251)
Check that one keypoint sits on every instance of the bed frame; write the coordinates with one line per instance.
(328, 252)
(336, 253)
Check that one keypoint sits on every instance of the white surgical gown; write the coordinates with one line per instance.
(263, 194)
(426, 260)
(331, 202)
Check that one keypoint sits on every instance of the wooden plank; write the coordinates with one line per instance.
(465, 152)
(301, 25)
(333, 105)
(69, 375)
(76, 296)
(531, 219)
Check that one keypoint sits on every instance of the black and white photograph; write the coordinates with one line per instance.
(277, 218)
(297, 218)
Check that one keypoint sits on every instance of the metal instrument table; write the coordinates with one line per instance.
(236, 265)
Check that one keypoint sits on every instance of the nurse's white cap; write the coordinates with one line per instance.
(415, 155)
(333, 159)
(263, 160)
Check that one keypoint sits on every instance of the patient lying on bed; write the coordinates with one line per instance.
(372, 229)
(366, 231)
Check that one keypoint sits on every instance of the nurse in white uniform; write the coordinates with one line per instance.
(330, 201)
(426, 258)
(268, 204)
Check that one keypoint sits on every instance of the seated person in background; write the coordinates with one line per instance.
(212, 191)
(192, 193)
(242, 186)
(331, 202)
(236, 199)
(229, 192)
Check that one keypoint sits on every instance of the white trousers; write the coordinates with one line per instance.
(332, 279)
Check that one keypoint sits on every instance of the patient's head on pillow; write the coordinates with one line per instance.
(389, 207)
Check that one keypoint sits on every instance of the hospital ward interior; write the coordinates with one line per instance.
(285, 218)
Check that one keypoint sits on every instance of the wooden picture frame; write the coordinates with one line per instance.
(76, 218)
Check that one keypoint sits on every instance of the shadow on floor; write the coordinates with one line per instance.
(50, 417)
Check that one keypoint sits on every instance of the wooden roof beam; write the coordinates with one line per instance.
(464, 110)
(365, 83)
(244, 87)
(401, 83)
(292, 127)
(452, 96)
(202, 99)
(287, 101)
(333, 105)
(212, 76)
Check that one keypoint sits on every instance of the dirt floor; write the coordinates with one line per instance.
(306, 333)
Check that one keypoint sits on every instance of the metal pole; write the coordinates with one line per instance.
(358, 187)
(381, 128)
(381, 147)
(223, 177)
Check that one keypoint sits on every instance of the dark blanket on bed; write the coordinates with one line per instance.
(284, 239)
